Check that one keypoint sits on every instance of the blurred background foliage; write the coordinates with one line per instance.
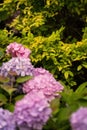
(56, 33)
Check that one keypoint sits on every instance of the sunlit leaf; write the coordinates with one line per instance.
(9, 89)
(79, 67)
(81, 88)
(19, 97)
(23, 79)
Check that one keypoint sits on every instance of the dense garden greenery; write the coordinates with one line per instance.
(56, 33)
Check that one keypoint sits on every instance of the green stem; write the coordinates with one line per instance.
(10, 98)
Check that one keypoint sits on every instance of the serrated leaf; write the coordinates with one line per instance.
(3, 99)
(23, 79)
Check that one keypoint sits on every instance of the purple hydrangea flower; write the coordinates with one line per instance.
(21, 66)
(33, 111)
(78, 119)
(45, 82)
(18, 50)
(6, 120)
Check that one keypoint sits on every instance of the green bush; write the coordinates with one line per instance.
(66, 61)
(51, 29)
(56, 33)
(45, 16)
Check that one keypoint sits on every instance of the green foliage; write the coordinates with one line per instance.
(3, 99)
(69, 102)
(23, 79)
(41, 16)
(85, 33)
(49, 28)
(56, 33)
(1, 53)
(7, 8)
(8, 96)
(6, 38)
(65, 61)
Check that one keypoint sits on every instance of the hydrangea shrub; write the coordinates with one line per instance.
(32, 99)
(32, 111)
(45, 82)
(21, 66)
(17, 50)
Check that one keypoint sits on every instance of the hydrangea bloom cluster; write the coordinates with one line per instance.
(17, 50)
(21, 66)
(6, 121)
(79, 119)
(42, 71)
(45, 82)
(32, 111)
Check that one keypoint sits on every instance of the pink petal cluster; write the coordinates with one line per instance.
(78, 119)
(45, 82)
(42, 71)
(32, 112)
(17, 50)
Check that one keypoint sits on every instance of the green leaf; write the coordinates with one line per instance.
(4, 79)
(9, 89)
(79, 67)
(23, 79)
(3, 99)
(85, 65)
(1, 53)
(62, 118)
(66, 74)
(81, 88)
(55, 105)
(82, 102)
(19, 97)
(9, 107)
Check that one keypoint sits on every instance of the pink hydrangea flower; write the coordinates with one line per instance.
(32, 112)
(17, 50)
(78, 119)
(42, 71)
(45, 82)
